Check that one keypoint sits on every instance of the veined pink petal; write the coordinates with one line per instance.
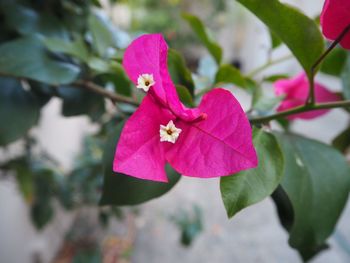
(148, 55)
(297, 92)
(139, 152)
(218, 146)
(335, 17)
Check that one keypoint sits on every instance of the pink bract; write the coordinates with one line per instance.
(216, 137)
(335, 17)
(296, 91)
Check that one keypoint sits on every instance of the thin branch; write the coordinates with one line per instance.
(268, 64)
(105, 93)
(311, 98)
(304, 108)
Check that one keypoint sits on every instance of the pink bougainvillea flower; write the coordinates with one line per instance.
(335, 17)
(296, 92)
(212, 140)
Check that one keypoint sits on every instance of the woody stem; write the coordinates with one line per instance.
(311, 99)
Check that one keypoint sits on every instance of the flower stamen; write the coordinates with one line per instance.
(145, 81)
(169, 133)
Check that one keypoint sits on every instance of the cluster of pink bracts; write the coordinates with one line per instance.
(214, 139)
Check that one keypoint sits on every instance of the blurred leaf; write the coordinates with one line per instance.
(342, 141)
(26, 57)
(92, 255)
(231, 75)
(179, 72)
(189, 223)
(345, 76)
(274, 78)
(105, 35)
(41, 213)
(99, 65)
(334, 62)
(262, 103)
(77, 101)
(75, 48)
(184, 95)
(120, 189)
(19, 110)
(27, 21)
(246, 188)
(284, 207)
(317, 183)
(122, 83)
(275, 40)
(297, 31)
(199, 29)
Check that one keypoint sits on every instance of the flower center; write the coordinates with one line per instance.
(169, 133)
(145, 81)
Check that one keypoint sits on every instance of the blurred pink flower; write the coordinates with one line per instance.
(212, 140)
(335, 17)
(296, 91)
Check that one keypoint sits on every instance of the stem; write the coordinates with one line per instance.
(268, 64)
(304, 108)
(311, 98)
(105, 93)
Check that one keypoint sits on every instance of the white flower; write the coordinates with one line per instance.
(145, 81)
(169, 133)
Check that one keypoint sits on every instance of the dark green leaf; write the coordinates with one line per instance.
(184, 95)
(342, 141)
(231, 75)
(26, 57)
(249, 187)
(19, 110)
(275, 41)
(198, 28)
(79, 101)
(120, 189)
(334, 62)
(179, 72)
(41, 213)
(27, 21)
(297, 31)
(346, 79)
(317, 183)
(75, 48)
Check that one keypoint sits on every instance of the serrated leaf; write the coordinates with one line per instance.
(249, 187)
(198, 28)
(300, 33)
(317, 182)
(120, 189)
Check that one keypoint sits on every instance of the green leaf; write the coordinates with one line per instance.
(19, 110)
(230, 74)
(251, 186)
(342, 141)
(317, 183)
(275, 41)
(297, 31)
(345, 76)
(274, 78)
(198, 28)
(184, 95)
(104, 34)
(179, 72)
(79, 102)
(75, 48)
(334, 62)
(26, 57)
(27, 21)
(41, 213)
(120, 189)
